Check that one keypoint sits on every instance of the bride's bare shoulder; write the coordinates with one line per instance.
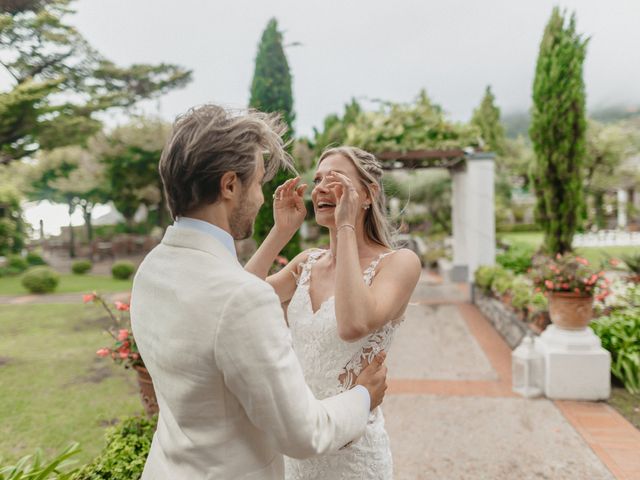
(403, 262)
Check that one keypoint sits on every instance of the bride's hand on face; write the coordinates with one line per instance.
(347, 198)
(288, 206)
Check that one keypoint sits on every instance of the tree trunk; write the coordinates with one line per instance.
(72, 237)
(598, 204)
(86, 214)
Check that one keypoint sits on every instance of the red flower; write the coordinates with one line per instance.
(89, 297)
(565, 286)
(123, 307)
(103, 352)
(123, 334)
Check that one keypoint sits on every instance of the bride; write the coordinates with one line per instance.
(344, 303)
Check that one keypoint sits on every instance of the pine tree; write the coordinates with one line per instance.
(557, 131)
(271, 92)
(487, 118)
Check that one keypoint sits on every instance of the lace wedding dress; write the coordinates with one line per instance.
(330, 366)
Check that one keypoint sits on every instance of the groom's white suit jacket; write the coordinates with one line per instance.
(231, 391)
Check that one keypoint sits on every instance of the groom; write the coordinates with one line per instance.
(231, 392)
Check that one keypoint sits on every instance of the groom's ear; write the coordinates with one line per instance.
(229, 185)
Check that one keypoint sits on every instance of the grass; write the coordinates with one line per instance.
(54, 388)
(595, 255)
(69, 284)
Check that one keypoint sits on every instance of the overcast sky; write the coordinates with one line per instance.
(367, 49)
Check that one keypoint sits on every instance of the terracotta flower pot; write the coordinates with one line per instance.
(147, 392)
(570, 311)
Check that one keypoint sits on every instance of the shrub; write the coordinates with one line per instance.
(517, 258)
(80, 267)
(620, 335)
(40, 280)
(539, 302)
(502, 281)
(633, 262)
(521, 292)
(483, 277)
(123, 270)
(16, 264)
(34, 259)
(125, 454)
(33, 467)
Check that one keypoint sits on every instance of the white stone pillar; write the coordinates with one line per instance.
(473, 216)
(623, 198)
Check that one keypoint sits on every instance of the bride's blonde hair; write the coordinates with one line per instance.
(376, 224)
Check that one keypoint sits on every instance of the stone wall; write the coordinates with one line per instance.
(503, 318)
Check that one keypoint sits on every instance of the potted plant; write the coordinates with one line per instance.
(570, 283)
(124, 350)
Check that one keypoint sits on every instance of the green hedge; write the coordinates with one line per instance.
(40, 280)
(125, 454)
(80, 267)
(123, 270)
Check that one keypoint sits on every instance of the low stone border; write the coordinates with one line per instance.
(505, 320)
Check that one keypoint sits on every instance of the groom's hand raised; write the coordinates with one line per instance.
(374, 379)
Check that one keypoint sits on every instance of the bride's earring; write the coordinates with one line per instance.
(366, 206)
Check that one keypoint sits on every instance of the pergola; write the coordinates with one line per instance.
(473, 217)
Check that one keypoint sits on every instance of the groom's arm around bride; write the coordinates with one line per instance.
(231, 391)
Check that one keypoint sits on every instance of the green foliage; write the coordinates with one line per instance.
(558, 132)
(123, 270)
(125, 454)
(403, 127)
(35, 259)
(16, 264)
(271, 92)
(34, 467)
(483, 277)
(620, 335)
(487, 118)
(130, 155)
(517, 257)
(12, 228)
(632, 261)
(521, 293)
(45, 56)
(335, 128)
(502, 281)
(80, 267)
(40, 280)
(539, 302)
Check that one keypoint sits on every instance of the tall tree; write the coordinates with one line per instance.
(73, 176)
(487, 118)
(271, 92)
(60, 82)
(130, 155)
(558, 131)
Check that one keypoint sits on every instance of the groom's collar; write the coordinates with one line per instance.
(197, 240)
(216, 232)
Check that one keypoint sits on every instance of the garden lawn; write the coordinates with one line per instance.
(54, 390)
(69, 284)
(595, 255)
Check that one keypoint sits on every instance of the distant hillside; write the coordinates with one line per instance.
(517, 123)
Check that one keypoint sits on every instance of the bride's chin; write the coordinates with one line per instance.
(325, 222)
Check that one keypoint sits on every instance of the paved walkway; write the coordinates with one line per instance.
(451, 413)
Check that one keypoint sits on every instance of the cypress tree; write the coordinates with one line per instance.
(558, 126)
(271, 92)
(487, 118)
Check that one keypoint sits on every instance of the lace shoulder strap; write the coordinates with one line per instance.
(307, 264)
(370, 272)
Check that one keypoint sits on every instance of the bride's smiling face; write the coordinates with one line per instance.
(324, 199)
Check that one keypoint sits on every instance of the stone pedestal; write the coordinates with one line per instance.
(576, 367)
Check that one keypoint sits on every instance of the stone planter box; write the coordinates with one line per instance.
(501, 316)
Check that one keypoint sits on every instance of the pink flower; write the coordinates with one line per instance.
(282, 260)
(89, 297)
(583, 261)
(123, 334)
(614, 262)
(103, 352)
(558, 256)
(124, 354)
(548, 284)
(135, 356)
(577, 290)
(565, 286)
(123, 307)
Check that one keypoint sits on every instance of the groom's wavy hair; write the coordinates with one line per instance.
(208, 141)
(376, 223)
